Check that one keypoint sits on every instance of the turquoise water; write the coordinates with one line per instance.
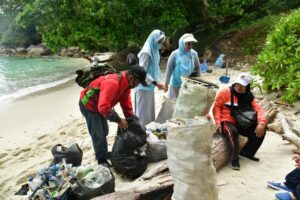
(21, 76)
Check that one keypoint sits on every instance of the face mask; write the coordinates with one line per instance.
(132, 83)
(159, 46)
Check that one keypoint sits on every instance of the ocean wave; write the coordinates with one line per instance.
(34, 89)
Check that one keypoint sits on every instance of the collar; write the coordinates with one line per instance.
(124, 82)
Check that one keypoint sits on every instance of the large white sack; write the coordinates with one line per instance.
(195, 99)
(189, 159)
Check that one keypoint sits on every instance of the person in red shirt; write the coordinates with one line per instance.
(226, 124)
(97, 102)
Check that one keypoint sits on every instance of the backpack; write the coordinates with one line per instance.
(85, 77)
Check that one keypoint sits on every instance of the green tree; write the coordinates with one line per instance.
(115, 24)
(11, 34)
(279, 62)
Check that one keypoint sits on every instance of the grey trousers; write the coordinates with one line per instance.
(144, 106)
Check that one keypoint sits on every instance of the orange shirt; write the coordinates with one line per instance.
(221, 109)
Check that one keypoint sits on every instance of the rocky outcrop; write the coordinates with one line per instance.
(41, 50)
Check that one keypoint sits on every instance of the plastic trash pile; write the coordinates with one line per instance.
(61, 179)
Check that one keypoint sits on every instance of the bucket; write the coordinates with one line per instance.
(224, 79)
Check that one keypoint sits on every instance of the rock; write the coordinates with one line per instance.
(35, 50)
(21, 50)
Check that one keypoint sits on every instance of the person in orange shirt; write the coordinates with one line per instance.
(226, 124)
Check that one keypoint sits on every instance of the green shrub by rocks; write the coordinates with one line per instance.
(279, 62)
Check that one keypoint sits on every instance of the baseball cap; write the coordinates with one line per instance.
(139, 73)
(188, 37)
(244, 79)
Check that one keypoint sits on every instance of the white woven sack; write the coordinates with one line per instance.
(189, 159)
(194, 99)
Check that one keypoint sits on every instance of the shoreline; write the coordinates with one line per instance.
(25, 118)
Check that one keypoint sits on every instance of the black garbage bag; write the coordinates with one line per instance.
(81, 192)
(126, 152)
(73, 154)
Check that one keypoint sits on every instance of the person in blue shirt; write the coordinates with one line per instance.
(220, 61)
(182, 62)
(149, 59)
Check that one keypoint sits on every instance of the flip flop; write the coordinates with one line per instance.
(278, 186)
(285, 196)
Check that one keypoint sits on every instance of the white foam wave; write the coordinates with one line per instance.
(33, 89)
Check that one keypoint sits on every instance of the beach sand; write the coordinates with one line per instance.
(32, 125)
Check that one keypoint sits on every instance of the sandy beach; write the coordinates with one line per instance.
(32, 125)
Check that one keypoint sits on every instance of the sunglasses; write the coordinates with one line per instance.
(188, 43)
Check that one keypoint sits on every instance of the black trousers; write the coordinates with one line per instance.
(232, 132)
(292, 181)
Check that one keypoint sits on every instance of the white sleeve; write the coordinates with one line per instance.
(170, 67)
(144, 62)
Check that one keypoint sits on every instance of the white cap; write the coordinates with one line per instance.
(188, 37)
(244, 79)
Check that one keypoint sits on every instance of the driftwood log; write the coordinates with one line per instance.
(288, 133)
(158, 184)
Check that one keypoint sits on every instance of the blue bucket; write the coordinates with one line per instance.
(224, 79)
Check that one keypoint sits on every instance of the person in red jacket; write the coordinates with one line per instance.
(226, 124)
(97, 102)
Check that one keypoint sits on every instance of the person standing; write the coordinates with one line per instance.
(149, 59)
(97, 102)
(226, 123)
(182, 62)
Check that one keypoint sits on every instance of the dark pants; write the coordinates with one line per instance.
(232, 132)
(98, 130)
(293, 181)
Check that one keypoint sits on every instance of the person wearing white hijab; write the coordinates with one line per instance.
(149, 59)
(182, 62)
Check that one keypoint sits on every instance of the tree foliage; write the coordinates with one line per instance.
(279, 62)
(115, 24)
(12, 35)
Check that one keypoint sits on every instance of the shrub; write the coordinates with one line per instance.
(279, 62)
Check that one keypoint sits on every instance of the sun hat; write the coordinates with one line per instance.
(244, 79)
(188, 37)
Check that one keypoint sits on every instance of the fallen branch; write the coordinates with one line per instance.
(289, 135)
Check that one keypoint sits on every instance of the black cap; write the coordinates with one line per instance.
(139, 73)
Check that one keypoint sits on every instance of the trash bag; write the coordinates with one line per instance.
(157, 151)
(82, 192)
(127, 155)
(73, 154)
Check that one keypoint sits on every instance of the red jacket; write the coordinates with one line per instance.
(105, 92)
(222, 112)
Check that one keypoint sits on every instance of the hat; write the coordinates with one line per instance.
(188, 37)
(139, 73)
(243, 79)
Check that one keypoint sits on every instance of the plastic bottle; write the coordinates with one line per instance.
(90, 179)
(54, 169)
(80, 172)
(53, 181)
(34, 182)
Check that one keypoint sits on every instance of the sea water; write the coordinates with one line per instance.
(20, 76)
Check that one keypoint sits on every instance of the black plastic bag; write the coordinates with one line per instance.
(81, 192)
(125, 155)
(73, 154)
